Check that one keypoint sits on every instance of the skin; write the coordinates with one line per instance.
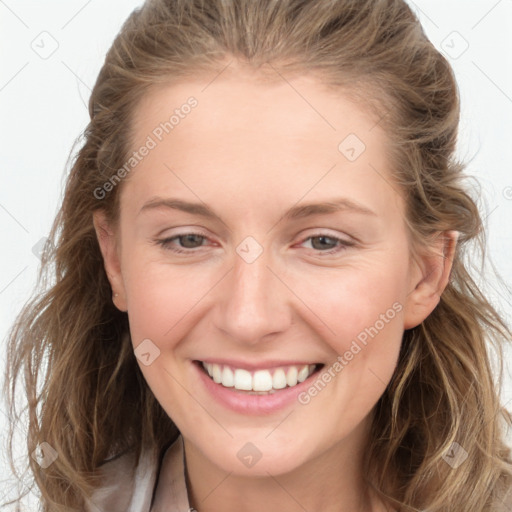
(251, 150)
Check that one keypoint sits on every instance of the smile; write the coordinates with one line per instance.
(266, 381)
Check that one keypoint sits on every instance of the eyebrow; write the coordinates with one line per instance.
(295, 212)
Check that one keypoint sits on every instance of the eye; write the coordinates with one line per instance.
(322, 243)
(326, 244)
(188, 242)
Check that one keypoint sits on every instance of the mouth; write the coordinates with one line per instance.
(260, 381)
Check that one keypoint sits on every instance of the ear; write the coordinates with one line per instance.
(109, 246)
(429, 279)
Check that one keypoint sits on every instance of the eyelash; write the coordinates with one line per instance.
(166, 243)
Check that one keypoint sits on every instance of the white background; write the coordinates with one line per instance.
(43, 109)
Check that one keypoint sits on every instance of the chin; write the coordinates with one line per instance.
(258, 458)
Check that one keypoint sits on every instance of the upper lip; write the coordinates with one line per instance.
(260, 365)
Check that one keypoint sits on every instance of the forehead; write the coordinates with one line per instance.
(300, 108)
(244, 134)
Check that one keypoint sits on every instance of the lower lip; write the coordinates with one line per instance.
(244, 403)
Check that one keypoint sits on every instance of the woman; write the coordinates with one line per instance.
(261, 292)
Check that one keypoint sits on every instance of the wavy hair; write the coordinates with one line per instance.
(70, 346)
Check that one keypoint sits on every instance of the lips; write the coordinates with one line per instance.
(254, 375)
(264, 381)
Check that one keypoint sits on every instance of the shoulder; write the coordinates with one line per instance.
(127, 484)
(116, 490)
(171, 489)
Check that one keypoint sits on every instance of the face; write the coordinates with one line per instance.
(264, 262)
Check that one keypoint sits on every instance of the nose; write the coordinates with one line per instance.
(253, 302)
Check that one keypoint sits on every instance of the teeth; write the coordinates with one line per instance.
(261, 381)
(228, 379)
(291, 376)
(279, 379)
(217, 374)
(243, 380)
(303, 374)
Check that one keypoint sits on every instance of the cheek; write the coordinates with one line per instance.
(364, 313)
(371, 319)
(161, 297)
(360, 318)
(164, 302)
(354, 302)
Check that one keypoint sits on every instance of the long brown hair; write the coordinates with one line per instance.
(86, 396)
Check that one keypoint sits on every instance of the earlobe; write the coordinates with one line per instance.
(430, 279)
(107, 242)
